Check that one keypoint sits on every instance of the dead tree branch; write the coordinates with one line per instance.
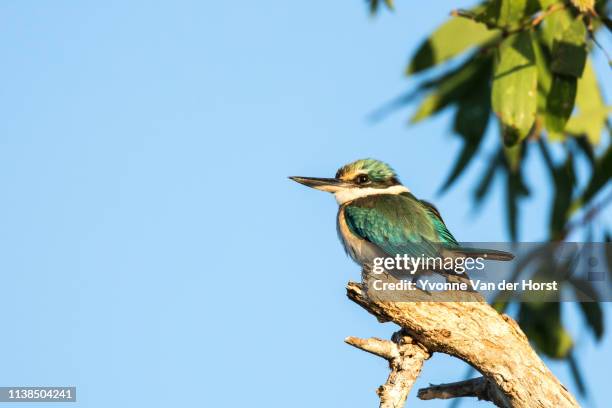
(481, 388)
(405, 357)
(471, 330)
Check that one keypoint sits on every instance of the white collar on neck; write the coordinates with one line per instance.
(349, 194)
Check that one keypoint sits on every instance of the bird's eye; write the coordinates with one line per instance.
(362, 179)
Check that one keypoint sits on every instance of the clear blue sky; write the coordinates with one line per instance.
(153, 251)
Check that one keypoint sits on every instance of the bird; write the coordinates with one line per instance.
(379, 217)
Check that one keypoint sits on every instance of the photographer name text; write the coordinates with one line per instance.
(474, 284)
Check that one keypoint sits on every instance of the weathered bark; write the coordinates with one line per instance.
(470, 329)
(481, 388)
(405, 357)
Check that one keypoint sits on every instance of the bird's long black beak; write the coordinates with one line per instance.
(330, 185)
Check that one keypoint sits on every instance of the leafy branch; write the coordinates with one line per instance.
(528, 64)
(534, 22)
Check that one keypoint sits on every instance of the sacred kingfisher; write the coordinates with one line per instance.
(380, 217)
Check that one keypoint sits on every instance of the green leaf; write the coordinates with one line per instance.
(591, 118)
(452, 38)
(542, 325)
(585, 148)
(451, 87)
(569, 50)
(515, 189)
(546, 3)
(514, 87)
(485, 183)
(590, 306)
(544, 74)
(499, 305)
(513, 156)
(375, 4)
(608, 253)
(508, 14)
(473, 113)
(589, 96)
(560, 102)
(577, 374)
(585, 293)
(471, 121)
(607, 22)
(554, 26)
(515, 186)
(599, 177)
(589, 123)
(467, 153)
(594, 317)
(512, 211)
(564, 180)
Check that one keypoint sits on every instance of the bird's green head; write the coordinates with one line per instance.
(370, 172)
(357, 179)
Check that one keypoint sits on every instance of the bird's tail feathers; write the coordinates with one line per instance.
(487, 254)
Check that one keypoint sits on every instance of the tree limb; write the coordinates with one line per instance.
(481, 388)
(476, 333)
(405, 357)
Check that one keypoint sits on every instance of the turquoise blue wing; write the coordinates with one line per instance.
(398, 224)
(444, 234)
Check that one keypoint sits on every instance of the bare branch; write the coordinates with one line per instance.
(474, 332)
(381, 348)
(481, 388)
(405, 357)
